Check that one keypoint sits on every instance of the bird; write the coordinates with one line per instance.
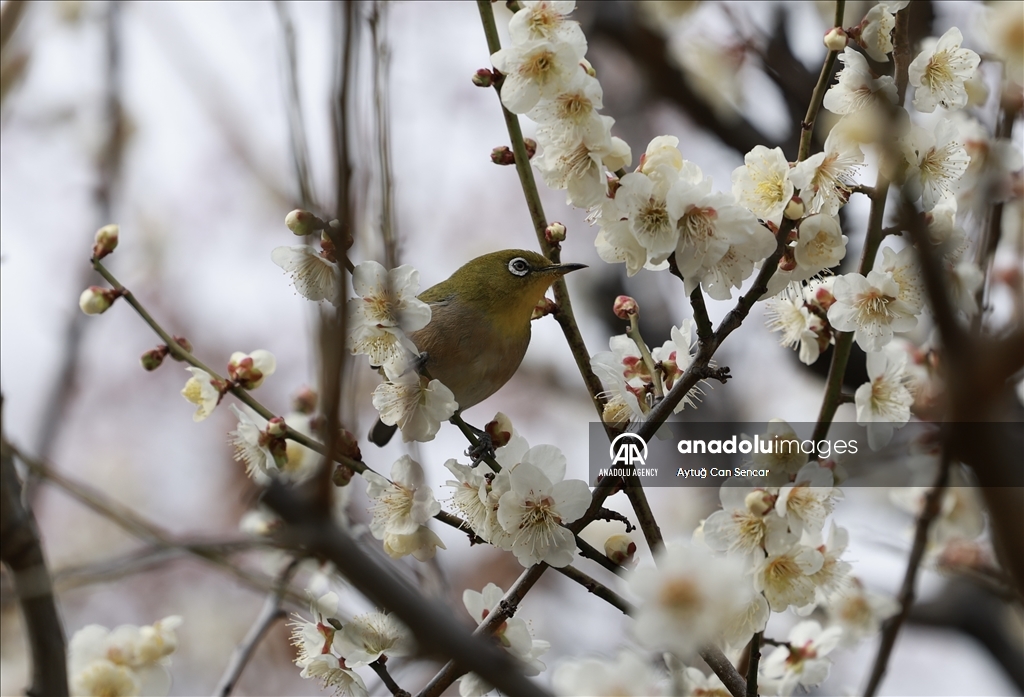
(479, 326)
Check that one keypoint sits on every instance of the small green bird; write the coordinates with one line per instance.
(480, 324)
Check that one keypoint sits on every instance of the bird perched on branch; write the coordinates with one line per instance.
(480, 324)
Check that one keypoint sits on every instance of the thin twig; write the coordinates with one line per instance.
(930, 510)
(293, 103)
(597, 588)
(807, 126)
(270, 614)
(380, 668)
(754, 658)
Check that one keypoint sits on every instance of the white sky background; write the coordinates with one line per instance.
(202, 84)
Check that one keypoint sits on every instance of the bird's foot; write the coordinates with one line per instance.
(483, 450)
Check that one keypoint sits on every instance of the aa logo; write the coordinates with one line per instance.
(628, 449)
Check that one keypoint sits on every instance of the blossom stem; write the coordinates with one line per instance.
(930, 510)
(243, 395)
(474, 441)
(380, 668)
(807, 125)
(597, 588)
(753, 660)
(565, 317)
(269, 615)
(645, 353)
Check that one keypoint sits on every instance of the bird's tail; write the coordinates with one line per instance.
(381, 433)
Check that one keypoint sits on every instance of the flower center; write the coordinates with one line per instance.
(538, 66)
(697, 225)
(875, 304)
(681, 595)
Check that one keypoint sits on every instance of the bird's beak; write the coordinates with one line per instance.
(562, 269)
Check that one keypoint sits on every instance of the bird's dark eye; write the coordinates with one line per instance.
(519, 266)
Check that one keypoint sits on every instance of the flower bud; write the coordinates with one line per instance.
(248, 370)
(105, 242)
(795, 208)
(342, 475)
(499, 429)
(836, 39)
(346, 445)
(503, 156)
(759, 502)
(587, 67)
(554, 233)
(153, 358)
(788, 260)
(625, 307)
(543, 308)
(302, 222)
(483, 78)
(276, 427)
(305, 401)
(620, 549)
(823, 298)
(95, 300)
(531, 147)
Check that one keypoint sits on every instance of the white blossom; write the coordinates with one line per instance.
(687, 599)
(332, 673)
(314, 277)
(696, 684)
(201, 391)
(788, 313)
(802, 661)
(422, 544)
(824, 180)
(626, 675)
(249, 370)
(642, 201)
(785, 573)
(402, 505)
(939, 73)
(546, 19)
(808, 500)
(385, 312)
(786, 456)
(857, 88)
(536, 69)
(820, 244)
(578, 166)
(905, 271)
(616, 245)
(870, 307)
(762, 184)
(568, 115)
(859, 612)
(876, 33)
(745, 520)
(538, 504)
(415, 405)
(937, 160)
(883, 403)
(965, 278)
(128, 660)
(367, 637)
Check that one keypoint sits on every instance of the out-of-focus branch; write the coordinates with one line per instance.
(270, 614)
(930, 510)
(382, 111)
(381, 669)
(597, 588)
(824, 78)
(432, 626)
(22, 553)
(293, 104)
(138, 526)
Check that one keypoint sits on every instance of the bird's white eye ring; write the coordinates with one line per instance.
(519, 266)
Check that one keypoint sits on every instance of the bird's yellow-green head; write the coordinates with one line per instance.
(504, 285)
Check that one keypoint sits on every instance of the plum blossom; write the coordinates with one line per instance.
(808, 500)
(802, 661)
(939, 73)
(626, 675)
(824, 180)
(859, 612)
(870, 307)
(128, 660)
(745, 520)
(903, 268)
(417, 406)
(820, 244)
(786, 456)
(203, 390)
(546, 19)
(876, 32)
(367, 637)
(385, 312)
(687, 599)
(513, 635)
(537, 506)
(578, 165)
(248, 370)
(402, 505)
(857, 88)
(801, 328)
(883, 403)
(937, 160)
(537, 69)
(314, 276)
(785, 573)
(762, 184)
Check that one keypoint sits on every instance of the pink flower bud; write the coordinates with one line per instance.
(503, 155)
(483, 78)
(554, 233)
(620, 549)
(500, 430)
(531, 147)
(305, 401)
(823, 298)
(543, 308)
(105, 242)
(342, 475)
(95, 300)
(759, 502)
(248, 370)
(153, 358)
(836, 39)
(625, 307)
(302, 222)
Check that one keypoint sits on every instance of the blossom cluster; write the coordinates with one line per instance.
(126, 661)
(328, 650)
(546, 77)
(524, 507)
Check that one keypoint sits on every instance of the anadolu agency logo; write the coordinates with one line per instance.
(628, 449)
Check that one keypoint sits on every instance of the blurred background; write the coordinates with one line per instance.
(193, 124)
